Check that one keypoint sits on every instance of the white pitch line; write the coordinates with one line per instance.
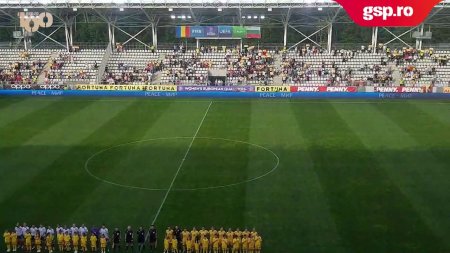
(181, 164)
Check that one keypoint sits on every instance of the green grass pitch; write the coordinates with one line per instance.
(310, 175)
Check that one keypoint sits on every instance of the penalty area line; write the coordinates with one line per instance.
(181, 164)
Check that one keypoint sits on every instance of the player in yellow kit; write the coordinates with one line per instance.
(258, 243)
(188, 245)
(185, 234)
(166, 244)
(244, 244)
(203, 232)
(197, 244)
(238, 233)
(83, 242)
(205, 245)
(49, 242)
(66, 240)
(60, 241)
(194, 233)
(174, 245)
(27, 237)
(93, 240)
(212, 233)
(7, 237)
(221, 233)
(14, 241)
(103, 244)
(253, 233)
(169, 233)
(38, 243)
(215, 243)
(236, 244)
(251, 244)
(75, 242)
(224, 244)
(246, 233)
(230, 235)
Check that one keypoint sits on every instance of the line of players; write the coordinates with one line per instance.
(40, 238)
(212, 241)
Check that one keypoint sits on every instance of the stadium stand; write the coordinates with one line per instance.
(22, 67)
(132, 67)
(185, 68)
(303, 66)
(74, 67)
(311, 67)
(251, 68)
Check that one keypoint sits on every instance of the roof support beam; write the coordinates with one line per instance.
(50, 38)
(307, 37)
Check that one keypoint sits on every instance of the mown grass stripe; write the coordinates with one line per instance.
(220, 207)
(371, 213)
(137, 120)
(29, 160)
(293, 194)
(422, 178)
(21, 109)
(430, 133)
(27, 119)
(72, 181)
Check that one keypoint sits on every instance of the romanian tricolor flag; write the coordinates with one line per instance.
(183, 31)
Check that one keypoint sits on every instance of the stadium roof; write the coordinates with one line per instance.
(52, 4)
(170, 3)
(167, 3)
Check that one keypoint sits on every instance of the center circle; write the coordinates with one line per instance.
(211, 164)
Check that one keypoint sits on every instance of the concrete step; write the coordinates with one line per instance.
(41, 77)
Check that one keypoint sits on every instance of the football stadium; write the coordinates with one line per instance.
(232, 126)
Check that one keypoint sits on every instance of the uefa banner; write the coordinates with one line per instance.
(225, 31)
(126, 87)
(217, 88)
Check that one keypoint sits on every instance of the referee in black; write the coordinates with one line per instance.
(141, 238)
(129, 239)
(116, 240)
(152, 238)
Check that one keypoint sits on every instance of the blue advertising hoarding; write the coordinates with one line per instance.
(197, 31)
(225, 31)
(211, 31)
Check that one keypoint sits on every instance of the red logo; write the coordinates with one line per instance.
(388, 12)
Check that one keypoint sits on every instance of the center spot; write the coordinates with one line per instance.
(152, 164)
